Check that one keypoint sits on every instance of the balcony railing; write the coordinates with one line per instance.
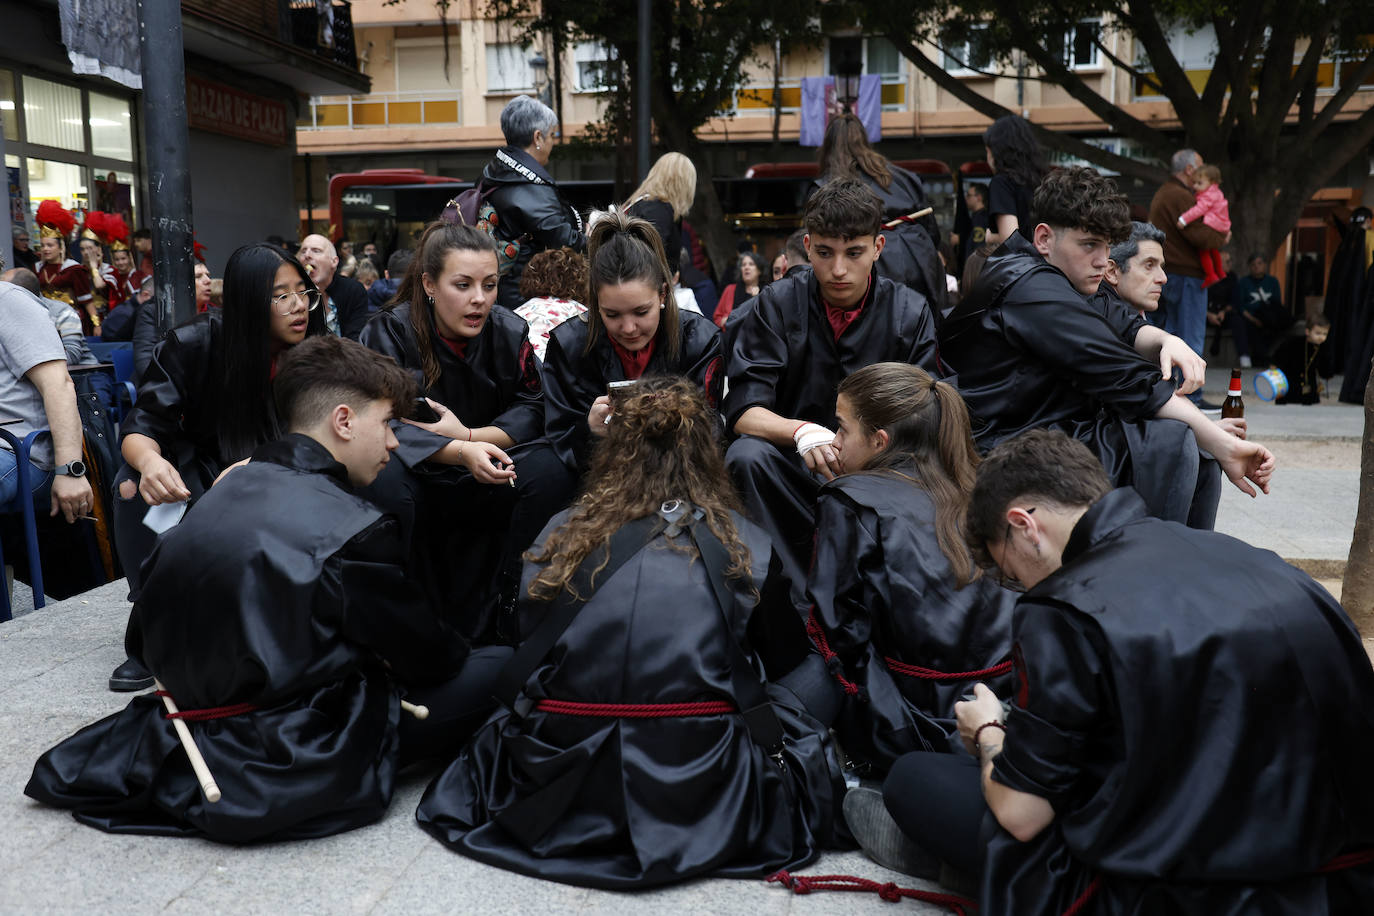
(383, 109)
(757, 98)
(328, 35)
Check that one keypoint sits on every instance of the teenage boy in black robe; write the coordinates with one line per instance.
(1031, 352)
(788, 355)
(278, 613)
(1202, 754)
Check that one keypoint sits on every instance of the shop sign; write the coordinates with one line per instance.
(222, 109)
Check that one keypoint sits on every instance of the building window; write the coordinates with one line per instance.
(112, 134)
(52, 114)
(970, 54)
(508, 68)
(595, 66)
(882, 57)
(1080, 45)
(420, 65)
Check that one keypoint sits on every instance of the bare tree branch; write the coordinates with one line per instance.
(1336, 102)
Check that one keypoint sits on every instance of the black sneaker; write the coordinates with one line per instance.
(1208, 407)
(881, 839)
(130, 676)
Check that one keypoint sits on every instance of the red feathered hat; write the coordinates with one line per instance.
(54, 220)
(116, 232)
(96, 226)
(199, 250)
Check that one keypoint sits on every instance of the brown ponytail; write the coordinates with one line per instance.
(623, 249)
(927, 425)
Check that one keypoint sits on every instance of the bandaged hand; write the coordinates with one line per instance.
(813, 443)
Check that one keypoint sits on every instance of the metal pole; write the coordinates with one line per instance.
(642, 114)
(169, 164)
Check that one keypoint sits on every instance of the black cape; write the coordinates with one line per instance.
(881, 588)
(574, 378)
(784, 356)
(628, 803)
(1205, 748)
(282, 589)
(1345, 291)
(1359, 342)
(1031, 353)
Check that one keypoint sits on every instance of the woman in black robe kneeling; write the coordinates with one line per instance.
(899, 610)
(643, 746)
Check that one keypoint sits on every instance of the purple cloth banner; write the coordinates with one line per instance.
(819, 106)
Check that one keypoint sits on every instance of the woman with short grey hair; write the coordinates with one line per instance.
(532, 215)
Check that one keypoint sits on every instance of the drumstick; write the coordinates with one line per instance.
(419, 712)
(894, 223)
(207, 782)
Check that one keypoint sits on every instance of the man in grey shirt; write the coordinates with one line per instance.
(36, 391)
(67, 321)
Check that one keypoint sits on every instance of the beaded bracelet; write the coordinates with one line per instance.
(979, 733)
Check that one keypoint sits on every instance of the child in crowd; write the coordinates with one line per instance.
(1302, 361)
(1215, 212)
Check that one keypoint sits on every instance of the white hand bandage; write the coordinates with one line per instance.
(811, 435)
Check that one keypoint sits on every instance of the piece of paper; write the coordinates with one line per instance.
(160, 518)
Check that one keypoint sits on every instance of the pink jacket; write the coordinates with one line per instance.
(1212, 207)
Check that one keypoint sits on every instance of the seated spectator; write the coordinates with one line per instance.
(663, 198)
(485, 456)
(532, 214)
(279, 608)
(898, 608)
(37, 393)
(632, 329)
(366, 274)
(384, 290)
(63, 316)
(24, 255)
(345, 301)
(205, 402)
(578, 785)
(1229, 723)
(554, 284)
(1258, 314)
(1031, 352)
(792, 349)
(751, 281)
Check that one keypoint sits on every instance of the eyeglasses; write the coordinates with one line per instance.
(286, 302)
(1009, 582)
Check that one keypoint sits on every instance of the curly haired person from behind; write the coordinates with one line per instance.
(1032, 352)
(554, 284)
(645, 771)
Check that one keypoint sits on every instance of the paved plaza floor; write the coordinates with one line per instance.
(56, 662)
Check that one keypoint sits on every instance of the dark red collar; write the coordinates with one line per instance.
(458, 347)
(634, 364)
(840, 319)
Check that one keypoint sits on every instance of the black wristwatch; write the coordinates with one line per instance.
(76, 468)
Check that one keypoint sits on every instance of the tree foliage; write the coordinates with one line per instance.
(701, 50)
(1262, 113)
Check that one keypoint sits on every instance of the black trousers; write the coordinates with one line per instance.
(779, 495)
(457, 707)
(937, 800)
(133, 539)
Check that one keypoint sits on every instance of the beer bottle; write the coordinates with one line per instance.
(1233, 406)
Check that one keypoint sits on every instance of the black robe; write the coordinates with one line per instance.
(634, 802)
(784, 355)
(1205, 747)
(881, 588)
(1359, 343)
(574, 378)
(1345, 291)
(283, 589)
(1031, 353)
(496, 382)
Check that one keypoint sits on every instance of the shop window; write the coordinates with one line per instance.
(52, 114)
(112, 133)
(64, 182)
(8, 115)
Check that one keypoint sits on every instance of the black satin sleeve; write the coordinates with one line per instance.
(701, 355)
(757, 359)
(390, 335)
(776, 631)
(1059, 707)
(923, 351)
(169, 388)
(568, 395)
(1076, 342)
(523, 418)
(364, 588)
(849, 558)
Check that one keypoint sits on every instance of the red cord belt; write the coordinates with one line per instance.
(635, 710)
(930, 674)
(208, 713)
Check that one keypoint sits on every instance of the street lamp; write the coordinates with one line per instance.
(848, 74)
(539, 64)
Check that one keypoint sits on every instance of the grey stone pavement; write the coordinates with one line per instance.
(55, 663)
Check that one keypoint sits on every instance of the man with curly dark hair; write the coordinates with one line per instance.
(1031, 352)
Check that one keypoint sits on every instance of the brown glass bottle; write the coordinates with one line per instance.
(1234, 405)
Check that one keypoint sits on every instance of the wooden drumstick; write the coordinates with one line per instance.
(910, 217)
(419, 712)
(188, 743)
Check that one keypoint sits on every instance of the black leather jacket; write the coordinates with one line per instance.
(532, 210)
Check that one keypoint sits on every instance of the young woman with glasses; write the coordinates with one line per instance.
(205, 401)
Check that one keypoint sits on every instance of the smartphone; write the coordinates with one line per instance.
(618, 391)
(421, 412)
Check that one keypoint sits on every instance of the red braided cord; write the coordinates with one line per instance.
(635, 710)
(930, 674)
(210, 712)
(1348, 860)
(817, 634)
(805, 884)
(1084, 898)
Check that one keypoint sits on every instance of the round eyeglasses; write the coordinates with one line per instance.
(285, 303)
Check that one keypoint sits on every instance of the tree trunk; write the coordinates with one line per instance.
(1357, 588)
(1251, 202)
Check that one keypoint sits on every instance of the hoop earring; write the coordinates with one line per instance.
(430, 300)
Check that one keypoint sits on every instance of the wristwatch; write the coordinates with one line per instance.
(76, 468)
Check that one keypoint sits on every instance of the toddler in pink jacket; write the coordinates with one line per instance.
(1215, 213)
